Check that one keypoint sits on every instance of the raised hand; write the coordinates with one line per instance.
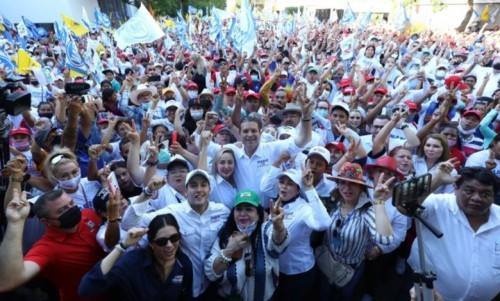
(132, 133)
(444, 169)
(113, 204)
(15, 167)
(96, 151)
(133, 236)
(18, 208)
(156, 183)
(277, 214)
(206, 137)
(307, 179)
(383, 190)
(153, 148)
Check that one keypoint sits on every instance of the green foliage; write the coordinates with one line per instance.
(170, 7)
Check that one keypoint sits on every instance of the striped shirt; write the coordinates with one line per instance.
(472, 145)
(356, 234)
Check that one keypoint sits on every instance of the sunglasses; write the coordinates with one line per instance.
(163, 241)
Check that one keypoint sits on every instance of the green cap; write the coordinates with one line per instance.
(247, 196)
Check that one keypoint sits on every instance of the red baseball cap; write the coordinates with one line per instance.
(230, 90)
(191, 85)
(220, 127)
(369, 77)
(349, 90)
(456, 80)
(411, 105)
(338, 145)
(381, 90)
(251, 93)
(476, 113)
(345, 82)
(20, 131)
(386, 162)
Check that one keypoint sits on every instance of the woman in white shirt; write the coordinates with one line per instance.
(433, 150)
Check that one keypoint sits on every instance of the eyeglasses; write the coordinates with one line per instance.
(163, 241)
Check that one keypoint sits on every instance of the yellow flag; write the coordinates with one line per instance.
(485, 16)
(73, 74)
(100, 49)
(2, 28)
(75, 27)
(24, 62)
(169, 23)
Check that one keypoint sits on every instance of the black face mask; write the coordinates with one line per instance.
(48, 115)
(35, 83)
(496, 66)
(70, 218)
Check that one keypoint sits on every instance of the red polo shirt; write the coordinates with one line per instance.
(64, 258)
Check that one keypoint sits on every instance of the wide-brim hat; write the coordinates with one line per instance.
(350, 172)
(388, 163)
(140, 89)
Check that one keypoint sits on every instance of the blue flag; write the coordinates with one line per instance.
(61, 32)
(102, 19)
(349, 16)
(21, 42)
(192, 10)
(400, 17)
(32, 28)
(248, 34)
(74, 60)
(363, 20)
(8, 36)
(9, 65)
(42, 31)
(7, 23)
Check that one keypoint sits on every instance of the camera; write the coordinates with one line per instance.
(78, 89)
(12, 102)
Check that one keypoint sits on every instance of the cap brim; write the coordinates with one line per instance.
(334, 178)
(368, 167)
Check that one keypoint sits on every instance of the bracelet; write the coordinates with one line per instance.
(118, 219)
(121, 247)
(147, 192)
(378, 202)
(305, 120)
(152, 164)
(224, 258)
(93, 160)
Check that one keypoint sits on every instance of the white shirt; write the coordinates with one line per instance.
(221, 191)
(198, 232)
(420, 167)
(250, 170)
(479, 159)
(301, 218)
(467, 263)
(167, 195)
(101, 234)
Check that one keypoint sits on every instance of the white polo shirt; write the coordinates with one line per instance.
(467, 263)
(479, 159)
(221, 191)
(198, 232)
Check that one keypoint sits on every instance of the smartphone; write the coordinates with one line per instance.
(113, 183)
(408, 192)
(154, 78)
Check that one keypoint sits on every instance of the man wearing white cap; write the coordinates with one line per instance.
(140, 98)
(200, 221)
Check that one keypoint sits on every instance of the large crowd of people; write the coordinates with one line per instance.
(215, 174)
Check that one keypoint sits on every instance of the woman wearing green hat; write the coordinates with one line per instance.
(245, 257)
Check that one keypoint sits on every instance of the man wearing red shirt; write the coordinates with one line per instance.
(63, 255)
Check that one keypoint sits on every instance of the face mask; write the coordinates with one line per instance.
(245, 66)
(145, 106)
(48, 115)
(249, 229)
(325, 94)
(196, 114)
(346, 98)
(254, 77)
(460, 105)
(103, 132)
(440, 74)
(35, 83)
(283, 82)
(50, 64)
(456, 63)
(170, 63)
(496, 66)
(163, 156)
(70, 218)
(192, 94)
(322, 112)
(451, 142)
(267, 137)
(21, 145)
(337, 79)
(70, 184)
(464, 132)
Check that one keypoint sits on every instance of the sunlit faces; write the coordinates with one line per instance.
(223, 137)
(349, 191)
(250, 134)
(291, 119)
(165, 252)
(469, 122)
(124, 179)
(144, 97)
(377, 125)
(355, 119)
(317, 165)
(474, 198)
(198, 190)
(403, 160)
(225, 165)
(433, 149)
(66, 171)
(176, 176)
(338, 115)
(245, 215)
(252, 104)
(287, 188)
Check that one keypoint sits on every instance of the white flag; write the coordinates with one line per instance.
(141, 28)
(22, 30)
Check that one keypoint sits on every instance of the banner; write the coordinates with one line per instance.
(74, 60)
(6, 62)
(25, 62)
(74, 26)
(141, 28)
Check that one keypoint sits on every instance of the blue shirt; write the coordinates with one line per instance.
(134, 277)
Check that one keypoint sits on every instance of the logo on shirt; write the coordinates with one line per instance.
(177, 279)
(262, 163)
(90, 224)
(215, 219)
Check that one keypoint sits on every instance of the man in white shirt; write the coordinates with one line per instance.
(199, 222)
(466, 259)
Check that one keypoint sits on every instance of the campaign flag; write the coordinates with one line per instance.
(61, 32)
(32, 28)
(85, 18)
(141, 28)
(7, 63)
(6, 22)
(8, 36)
(102, 19)
(400, 17)
(42, 31)
(22, 30)
(74, 60)
(347, 48)
(74, 26)
(248, 35)
(21, 42)
(485, 15)
(363, 20)
(222, 14)
(25, 62)
(348, 16)
(97, 66)
(215, 29)
(192, 10)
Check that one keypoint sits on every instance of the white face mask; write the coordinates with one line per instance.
(50, 64)
(440, 74)
(346, 98)
(267, 137)
(325, 95)
(249, 229)
(70, 184)
(196, 114)
(192, 94)
(254, 77)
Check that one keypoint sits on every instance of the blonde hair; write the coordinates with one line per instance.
(217, 157)
(67, 157)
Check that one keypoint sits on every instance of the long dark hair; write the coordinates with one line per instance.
(227, 230)
(159, 222)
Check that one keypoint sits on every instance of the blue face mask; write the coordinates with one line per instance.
(145, 106)
(163, 156)
(322, 112)
(283, 82)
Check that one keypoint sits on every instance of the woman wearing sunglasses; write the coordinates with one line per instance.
(245, 257)
(62, 169)
(357, 224)
(159, 272)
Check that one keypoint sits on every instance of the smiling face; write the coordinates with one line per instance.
(355, 119)
(403, 160)
(225, 165)
(198, 190)
(66, 171)
(349, 191)
(250, 134)
(245, 215)
(166, 252)
(433, 149)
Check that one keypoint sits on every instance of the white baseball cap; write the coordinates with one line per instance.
(196, 172)
(321, 151)
(294, 175)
